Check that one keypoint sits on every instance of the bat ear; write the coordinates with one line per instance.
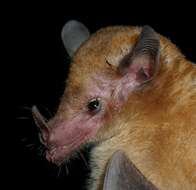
(121, 174)
(142, 62)
(73, 35)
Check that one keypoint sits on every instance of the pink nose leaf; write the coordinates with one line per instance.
(40, 121)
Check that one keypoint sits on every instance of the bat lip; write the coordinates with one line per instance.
(58, 155)
(66, 137)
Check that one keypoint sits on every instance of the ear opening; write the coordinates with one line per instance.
(143, 60)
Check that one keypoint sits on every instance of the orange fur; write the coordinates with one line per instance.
(156, 128)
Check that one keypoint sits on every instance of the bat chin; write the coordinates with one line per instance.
(61, 150)
(56, 156)
(59, 155)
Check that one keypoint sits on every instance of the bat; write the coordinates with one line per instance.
(132, 93)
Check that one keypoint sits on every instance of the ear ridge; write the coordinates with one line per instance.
(144, 58)
(73, 34)
(148, 42)
(121, 174)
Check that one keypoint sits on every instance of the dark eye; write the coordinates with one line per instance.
(94, 105)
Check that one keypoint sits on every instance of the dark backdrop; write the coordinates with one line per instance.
(39, 68)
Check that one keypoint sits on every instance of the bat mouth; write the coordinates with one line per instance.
(63, 138)
(60, 154)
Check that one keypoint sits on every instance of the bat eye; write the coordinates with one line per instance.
(94, 105)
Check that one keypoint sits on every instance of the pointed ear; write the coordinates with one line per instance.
(73, 35)
(143, 60)
(121, 174)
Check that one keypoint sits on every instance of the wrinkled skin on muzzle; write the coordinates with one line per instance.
(63, 137)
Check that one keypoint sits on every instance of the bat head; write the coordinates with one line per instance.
(106, 68)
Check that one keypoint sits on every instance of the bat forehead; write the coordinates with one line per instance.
(98, 59)
(108, 45)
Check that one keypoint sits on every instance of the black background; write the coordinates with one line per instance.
(38, 66)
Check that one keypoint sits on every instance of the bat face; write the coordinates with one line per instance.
(105, 70)
(85, 109)
(76, 122)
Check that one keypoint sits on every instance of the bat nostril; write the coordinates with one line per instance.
(51, 140)
(48, 140)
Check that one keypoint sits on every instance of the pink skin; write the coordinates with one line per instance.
(69, 135)
(63, 137)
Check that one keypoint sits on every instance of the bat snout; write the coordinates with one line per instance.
(42, 125)
(39, 119)
(62, 137)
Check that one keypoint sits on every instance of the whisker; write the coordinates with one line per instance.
(24, 139)
(41, 150)
(83, 158)
(59, 172)
(63, 166)
(23, 118)
(67, 170)
(26, 108)
(30, 145)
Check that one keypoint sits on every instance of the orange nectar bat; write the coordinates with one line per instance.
(132, 93)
